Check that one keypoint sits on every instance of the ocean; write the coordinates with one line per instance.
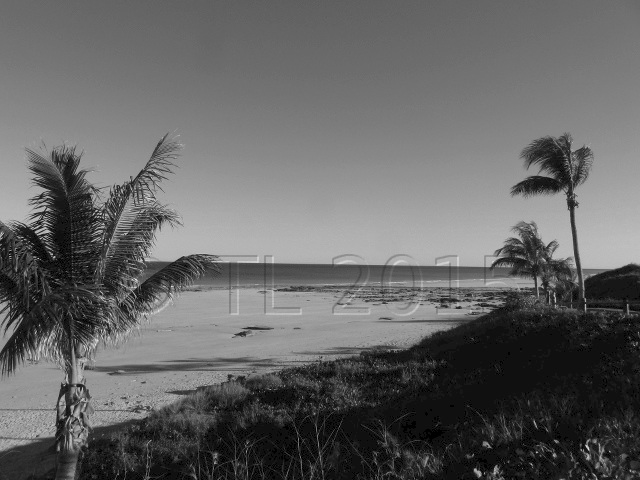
(269, 275)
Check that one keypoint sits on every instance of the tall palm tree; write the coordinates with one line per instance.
(526, 254)
(71, 279)
(565, 169)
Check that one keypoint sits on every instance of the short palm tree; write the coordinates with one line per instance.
(526, 254)
(565, 169)
(556, 273)
(566, 286)
(73, 277)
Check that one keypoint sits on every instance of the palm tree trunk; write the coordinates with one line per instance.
(535, 286)
(72, 431)
(67, 464)
(576, 252)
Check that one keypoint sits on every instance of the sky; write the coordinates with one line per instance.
(319, 129)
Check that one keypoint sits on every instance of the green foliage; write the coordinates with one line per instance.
(263, 382)
(529, 393)
(225, 395)
(521, 300)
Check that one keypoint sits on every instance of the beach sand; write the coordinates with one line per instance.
(204, 337)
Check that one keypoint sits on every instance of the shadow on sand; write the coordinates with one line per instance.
(37, 458)
(192, 365)
(345, 351)
(439, 321)
(224, 364)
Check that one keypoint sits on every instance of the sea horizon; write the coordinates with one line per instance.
(271, 275)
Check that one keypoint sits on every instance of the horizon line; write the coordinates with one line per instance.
(375, 264)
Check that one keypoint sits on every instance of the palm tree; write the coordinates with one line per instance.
(565, 170)
(556, 273)
(566, 286)
(72, 278)
(526, 254)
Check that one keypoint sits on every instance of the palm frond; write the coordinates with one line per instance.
(29, 338)
(33, 242)
(551, 248)
(503, 262)
(512, 249)
(557, 270)
(561, 265)
(583, 160)
(554, 156)
(17, 297)
(519, 266)
(21, 278)
(160, 164)
(159, 288)
(540, 151)
(122, 208)
(564, 165)
(132, 243)
(565, 141)
(537, 185)
(547, 155)
(172, 279)
(44, 328)
(14, 253)
(528, 228)
(64, 212)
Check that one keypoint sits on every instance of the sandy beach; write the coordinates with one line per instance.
(207, 335)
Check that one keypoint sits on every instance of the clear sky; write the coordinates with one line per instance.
(316, 129)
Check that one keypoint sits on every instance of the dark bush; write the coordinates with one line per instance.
(621, 283)
(521, 300)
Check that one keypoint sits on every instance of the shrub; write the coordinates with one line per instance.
(225, 395)
(263, 382)
(621, 283)
(521, 300)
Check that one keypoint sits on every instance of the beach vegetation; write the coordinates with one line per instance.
(528, 256)
(620, 283)
(565, 286)
(519, 300)
(263, 382)
(73, 277)
(526, 392)
(564, 171)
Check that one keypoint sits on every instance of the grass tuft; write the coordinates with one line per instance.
(263, 382)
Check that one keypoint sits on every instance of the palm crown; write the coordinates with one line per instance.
(528, 256)
(71, 277)
(565, 169)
